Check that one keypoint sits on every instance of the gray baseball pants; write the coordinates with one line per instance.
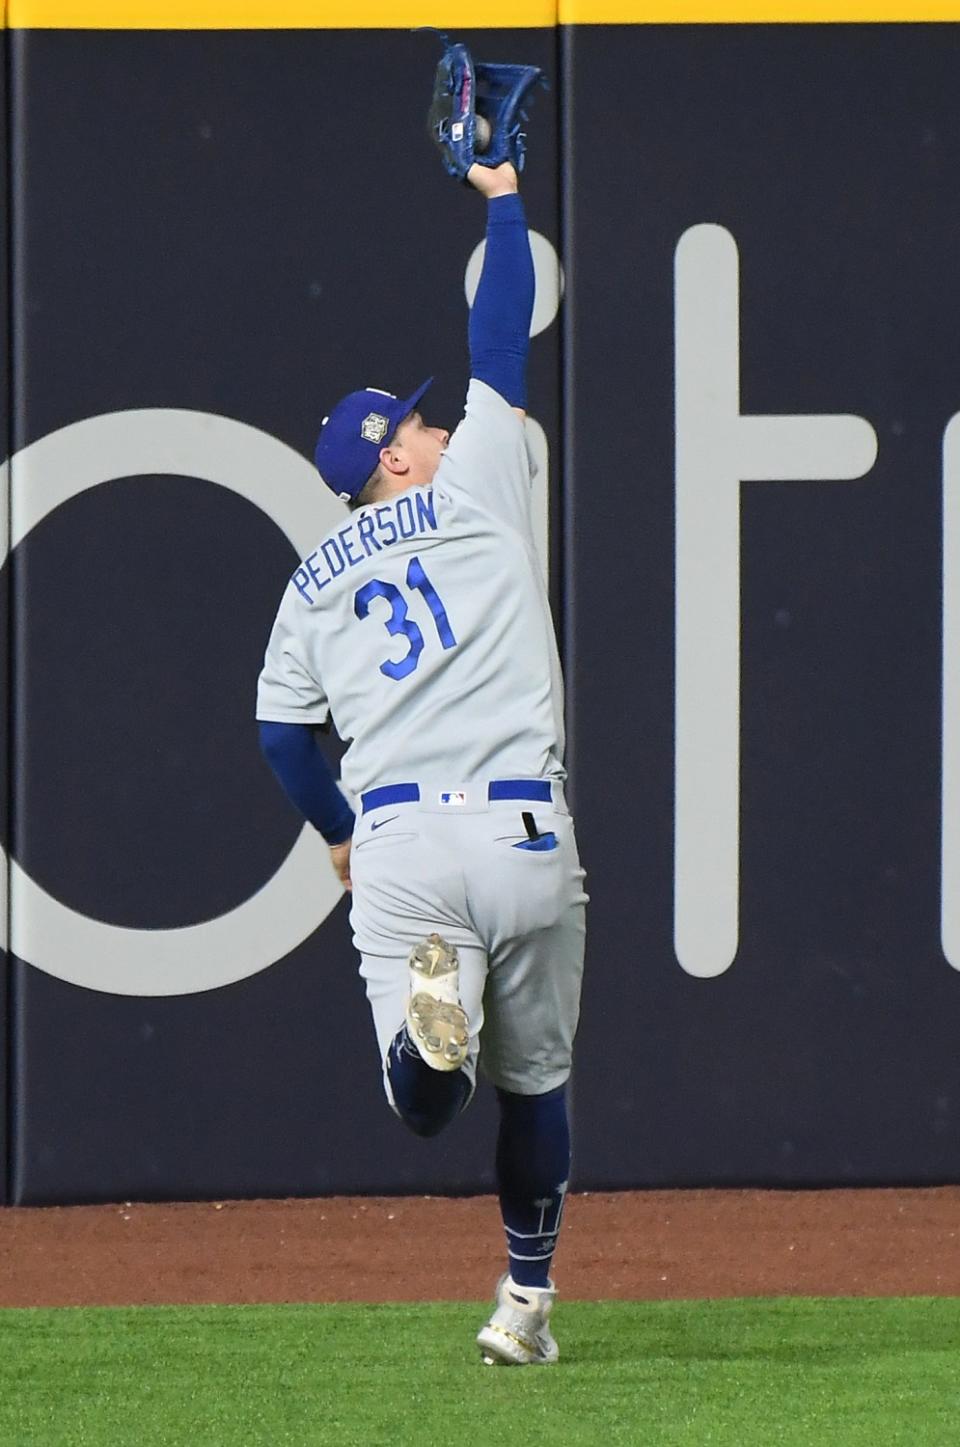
(457, 862)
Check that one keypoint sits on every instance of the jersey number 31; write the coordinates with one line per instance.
(400, 622)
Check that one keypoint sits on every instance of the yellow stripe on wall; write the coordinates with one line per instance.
(273, 14)
(754, 12)
(492, 14)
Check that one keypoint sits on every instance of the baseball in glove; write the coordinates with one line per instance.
(477, 111)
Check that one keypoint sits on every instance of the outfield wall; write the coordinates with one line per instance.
(757, 227)
(5, 985)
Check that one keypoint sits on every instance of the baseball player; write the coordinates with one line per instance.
(422, 624)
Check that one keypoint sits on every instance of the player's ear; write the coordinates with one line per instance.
(393, 460)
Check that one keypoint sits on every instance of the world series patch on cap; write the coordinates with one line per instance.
(374, 426)
(348, 448)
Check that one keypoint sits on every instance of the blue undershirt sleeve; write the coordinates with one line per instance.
(499, 329)
(298, 762)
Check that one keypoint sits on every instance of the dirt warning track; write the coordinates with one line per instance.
(644, 1245)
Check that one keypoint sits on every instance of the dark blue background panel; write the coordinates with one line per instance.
(201, 240)
(223, 231)
(827, 1053)
(4, 619)
(269, 1087)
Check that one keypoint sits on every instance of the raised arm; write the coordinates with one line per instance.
(499, 331)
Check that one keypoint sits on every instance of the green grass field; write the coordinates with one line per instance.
(732, 1373)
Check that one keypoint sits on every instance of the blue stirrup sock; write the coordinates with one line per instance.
(533, 1167)
(426, 1099)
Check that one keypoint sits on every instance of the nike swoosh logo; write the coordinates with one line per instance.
(380, 822)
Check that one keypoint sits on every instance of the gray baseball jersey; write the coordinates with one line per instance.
(423, 625)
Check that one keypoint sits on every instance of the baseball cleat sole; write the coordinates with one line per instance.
(518, 1355)
(439, 1030)
(513, 1351)
(434, 958)
(501, 1347)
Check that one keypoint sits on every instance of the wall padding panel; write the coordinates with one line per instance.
(224, 226)
(5, 393)
(224, 223)
(826, 1052)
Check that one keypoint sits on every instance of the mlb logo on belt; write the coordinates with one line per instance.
(452, 797)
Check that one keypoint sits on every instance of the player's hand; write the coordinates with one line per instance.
(493, 181)
(340, 855)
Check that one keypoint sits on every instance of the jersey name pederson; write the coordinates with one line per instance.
(374, 529)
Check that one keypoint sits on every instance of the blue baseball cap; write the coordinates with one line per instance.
(348, 448)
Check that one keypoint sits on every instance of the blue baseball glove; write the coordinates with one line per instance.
(477, 111)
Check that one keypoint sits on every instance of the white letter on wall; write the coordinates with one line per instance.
(717, 450)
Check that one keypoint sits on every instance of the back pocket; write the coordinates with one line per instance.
(541, 845)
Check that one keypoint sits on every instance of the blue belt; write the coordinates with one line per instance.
(536, 789)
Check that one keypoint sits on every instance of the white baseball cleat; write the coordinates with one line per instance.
(518, 1334)
(436, 1020)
